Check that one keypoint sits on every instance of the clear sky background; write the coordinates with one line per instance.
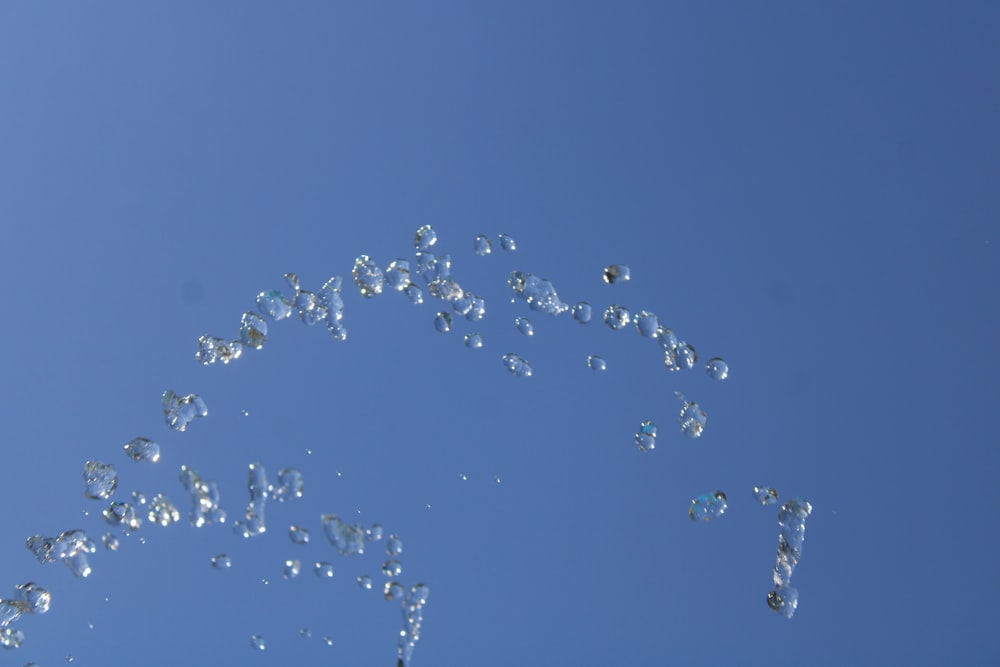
(808, 190)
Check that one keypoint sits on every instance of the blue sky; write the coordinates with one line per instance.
(807, 191)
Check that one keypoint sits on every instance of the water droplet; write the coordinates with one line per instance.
(305, 632)
(682, 357)
(668, 342)
(246, 413)
(617, 273)
(645, 438)
(474, 341)
(582, 312)
(397, 275)
(253, 330)
(328, 641)
(368, 276)
(292, 281)
(419, 594)
(414, 294)
(648, 324)
(462, 476)
(524, 326)
(298, 535)
(365, 582)
(323, 570)
(507, 243)
(205, 498)
(708, 507)
(596, 363)
(693, 420)
(179, 411)
(110, 542)
(212, 349)
(274, 305)
(516, 365)
(496, 478)
(393, 590)
(717, 368)
(222, 562)
(101, 480)
(290, 485)
(394, 545)
(162, 511)
(374, 534)
(257, 642)
(122, 515)
(539, 293)
(784, 600)
(482, 245)
(617, 317)
(425, 238)
(478, 310)
(291, 569)
(792, 524)
(442, 322)
(765, 495)
(392, 568)
(349, 540)
(36, 599)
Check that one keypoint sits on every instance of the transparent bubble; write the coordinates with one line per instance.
(717, 368)
(617, 317)
(708, 507)
(765, 495)
(425, 238)
(582, 312)
(507, 243)
(392, 568)
(393, 590)
(110, 542)
(617, 273)
(539, 293)
(524, 325)
(212, 349)
(291, 569)
(348, 540)
(101, 480)
(516, 365)
(162, 511)
(645, 438)
(474, 340)
(394, 545)
(693, 420)
(368, 276)
(374, 534)
(365, 582)
(414, 294)
(323, 570)
(298, 535)
(596, 363)
(205, 499)
(222, 562)
(648, 324)
(179, 411)
(142, 449)
(442, 322)
(397, 275)
(290, 485)
(257, 642)
(274, 305)
(253, 330)
(784, 600)
(482, 246)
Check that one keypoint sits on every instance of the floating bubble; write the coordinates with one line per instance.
(162, 511)
(540, 293)
(507, 243)
(524, 325)
(205, 499)
(179, 411)
(101, 480)
(717, 368)
(442, 322)
(298, 535)
(274, 305)
(393, 590)
(142, 449)
(596, 363)
(392, 568)
(397, 275)
(257, 485)
(645, 438)
(648, 324)
(212, 349)
(365, 582)
(474, 340)
(425, 237)
(693, 420)
(110, 542)
(617, 273)
(765, 495)
(617, 317)
(123, 515)
(291, 569)
(394, 545)
(708, 507)
(290, 485)
(368, 276)
(482, 246)
(257, 642)
(582, 312)
(516, 365)
(253, 330)
(348, 540)
(222, 562)
(323, 570)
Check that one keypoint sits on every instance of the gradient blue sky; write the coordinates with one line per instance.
(806, 189)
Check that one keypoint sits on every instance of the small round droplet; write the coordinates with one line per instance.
(474, 341)
(291, 569)
(617, 273)
(686, 356)
(516, 365)
(392, 568)
(648, 324)
(442, 322)
(482, 245)
(298, 535)
(507, 243)
(393, 590)
(222, 562)
(257, 642)
(645, 438)
(374, 534)
(525, 326)
(596, 363)
(617, 317)
(496, 478)
(328, 640)
(110, 541)
(323, 570)
(582, 312)
(365, 582)
(462, 476)
(717, 368)
(394, 545)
